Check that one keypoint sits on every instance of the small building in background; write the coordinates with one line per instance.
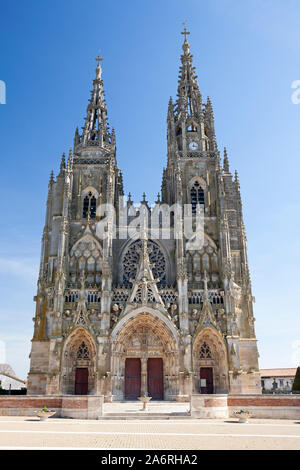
(277, 380)
(9, 382)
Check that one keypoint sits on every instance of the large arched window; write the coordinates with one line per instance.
(197, 196)
(89, 206)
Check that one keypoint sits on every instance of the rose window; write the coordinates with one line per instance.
(157, 262)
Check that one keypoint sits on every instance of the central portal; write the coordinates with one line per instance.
(132, 378)
(145, 359)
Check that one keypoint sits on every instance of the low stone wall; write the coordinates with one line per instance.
(260, 406)
(266, 406)
(82, 407)
(209, 406)
(66, 406)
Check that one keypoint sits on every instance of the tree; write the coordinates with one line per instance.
(296, 384)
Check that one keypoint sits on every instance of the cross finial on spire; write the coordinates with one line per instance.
(186, 46)
(185, 31)
(99, 59)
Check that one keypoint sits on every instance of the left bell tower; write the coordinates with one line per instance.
(71, 256)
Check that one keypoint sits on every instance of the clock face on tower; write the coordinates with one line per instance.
(193, 146)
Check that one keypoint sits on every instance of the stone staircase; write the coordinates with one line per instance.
(157, 410)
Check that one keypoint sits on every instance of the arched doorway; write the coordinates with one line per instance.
(144, 358)
(79, 364)
(210, 366)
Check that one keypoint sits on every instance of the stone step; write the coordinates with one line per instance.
(144, 415)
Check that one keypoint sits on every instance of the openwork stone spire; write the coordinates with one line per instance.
(189, 100)
(96, 129)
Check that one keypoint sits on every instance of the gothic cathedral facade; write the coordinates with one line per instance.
(125, 316)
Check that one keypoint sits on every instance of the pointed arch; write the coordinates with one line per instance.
(197, 193)
(89, 198)
(87, 237)
(192, 126)
(79, 351)
(209, 350)
(145, 333)
(198, 179)
(90, 189)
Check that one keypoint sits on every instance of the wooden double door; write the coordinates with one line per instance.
(133, 378)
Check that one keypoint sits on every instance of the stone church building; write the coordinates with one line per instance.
(122, 316)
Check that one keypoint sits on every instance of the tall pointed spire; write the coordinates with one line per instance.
(189, 100)
(96, 129)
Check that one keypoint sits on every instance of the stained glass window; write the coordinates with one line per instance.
(205, 352)
(83, 351)
(156, 257)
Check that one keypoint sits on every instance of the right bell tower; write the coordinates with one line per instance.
(217, 272)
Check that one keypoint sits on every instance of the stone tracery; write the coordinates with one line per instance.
(86, 256)
(204, 260)
(131, 259)
(145, 336)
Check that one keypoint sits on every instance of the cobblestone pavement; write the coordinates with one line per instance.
(186, 434)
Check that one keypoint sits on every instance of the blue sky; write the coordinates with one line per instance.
(247, 56)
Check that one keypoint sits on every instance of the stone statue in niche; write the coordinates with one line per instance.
(114, 314)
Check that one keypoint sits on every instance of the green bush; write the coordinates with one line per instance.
(296, 384)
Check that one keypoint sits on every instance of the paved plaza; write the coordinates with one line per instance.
(181, 434)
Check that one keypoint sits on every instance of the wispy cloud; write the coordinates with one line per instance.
(25, 268)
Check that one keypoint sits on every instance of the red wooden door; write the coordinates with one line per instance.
(206, 380)
(132, 378)
(81, 381)
(155, 378)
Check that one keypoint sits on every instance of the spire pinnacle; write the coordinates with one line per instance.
(63, 162)
(226, 161)
(95, 131)
(70, 159)
(51, 179)
(189, 100)
(236, 180)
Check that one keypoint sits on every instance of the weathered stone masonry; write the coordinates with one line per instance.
(120, 317)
